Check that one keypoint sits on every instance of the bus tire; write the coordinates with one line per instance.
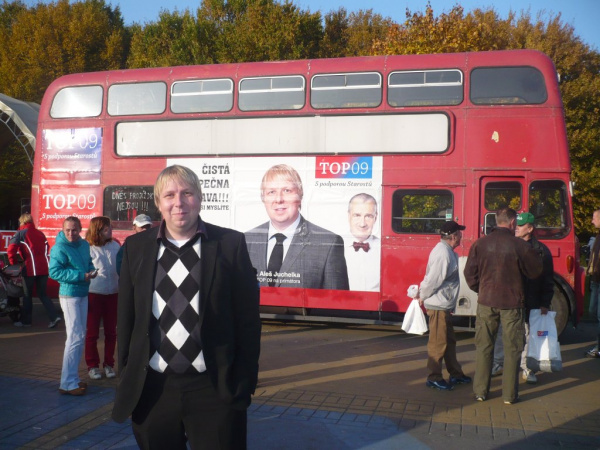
(560, 305)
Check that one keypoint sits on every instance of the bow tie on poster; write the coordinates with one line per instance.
(358, 245)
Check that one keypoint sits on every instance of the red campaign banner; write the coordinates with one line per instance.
(56, 204)
(5, 236)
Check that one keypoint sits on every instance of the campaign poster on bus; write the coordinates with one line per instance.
(70, 157)
(325, 209)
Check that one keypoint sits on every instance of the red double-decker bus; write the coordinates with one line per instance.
(385, 147)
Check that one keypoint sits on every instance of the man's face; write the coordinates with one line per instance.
(456, 238)
(524, 231)
(596, 219)
(282, 202)
(71, 231)
(180, 207)
(138, 229)
(362, 217)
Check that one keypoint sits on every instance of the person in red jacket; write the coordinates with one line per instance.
(31, 244)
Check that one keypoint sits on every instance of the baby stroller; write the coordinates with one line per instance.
(11, 291)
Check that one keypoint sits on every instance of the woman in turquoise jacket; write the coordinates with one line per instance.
(71, 265)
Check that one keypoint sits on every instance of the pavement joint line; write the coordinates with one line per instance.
(72, 430)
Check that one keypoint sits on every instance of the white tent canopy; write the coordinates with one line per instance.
(20, 120)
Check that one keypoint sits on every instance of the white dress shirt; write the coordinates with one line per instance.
(363, 267)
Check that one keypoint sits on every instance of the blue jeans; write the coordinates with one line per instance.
(75, 312)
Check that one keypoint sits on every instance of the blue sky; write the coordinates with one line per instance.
(583, 15)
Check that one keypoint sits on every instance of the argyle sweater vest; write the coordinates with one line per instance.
(176, 346)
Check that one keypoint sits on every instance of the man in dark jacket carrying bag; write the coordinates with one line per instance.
(495, 269)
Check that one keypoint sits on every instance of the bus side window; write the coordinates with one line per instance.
(421, 211)
(507, 85)
(272, 93)
(500, 194)
(425, 88)
(548, 204)
(346, 90)
(137, 98)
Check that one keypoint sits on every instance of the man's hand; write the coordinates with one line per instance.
(543, 311)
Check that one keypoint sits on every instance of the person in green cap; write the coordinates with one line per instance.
(538, 293)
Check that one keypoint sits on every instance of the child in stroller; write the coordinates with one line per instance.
(11, 291)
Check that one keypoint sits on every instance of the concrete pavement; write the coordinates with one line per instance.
(320, 387)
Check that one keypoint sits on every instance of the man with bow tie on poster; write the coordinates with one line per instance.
(362, 249)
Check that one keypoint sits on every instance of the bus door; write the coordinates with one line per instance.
(411, 228)
(494, 193)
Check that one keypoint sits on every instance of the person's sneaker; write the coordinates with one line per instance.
(18, 324)
(109, 371)
(592, 353)
(460, 380)
(480, 398)
(95, 373)
(442, 385)
(53, 323)
(497, 370)
(511, 402)
(529, 377)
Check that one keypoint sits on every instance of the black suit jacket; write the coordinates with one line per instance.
(229, 316)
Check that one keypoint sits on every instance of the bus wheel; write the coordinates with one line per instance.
(561, 306)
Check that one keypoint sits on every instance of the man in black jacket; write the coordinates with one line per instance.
(188, 326)
(538, 291)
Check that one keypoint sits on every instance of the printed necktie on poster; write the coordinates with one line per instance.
(276, 258)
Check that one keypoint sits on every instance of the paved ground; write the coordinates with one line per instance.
(320, 387)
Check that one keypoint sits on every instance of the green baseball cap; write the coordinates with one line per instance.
(525, 217)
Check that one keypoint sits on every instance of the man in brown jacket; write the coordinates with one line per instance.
(495, 269)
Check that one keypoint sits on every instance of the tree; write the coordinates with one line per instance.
(352, 34)
(50, 40)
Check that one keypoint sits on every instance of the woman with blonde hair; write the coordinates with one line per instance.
(103, 296)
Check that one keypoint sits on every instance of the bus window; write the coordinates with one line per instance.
(425, 88)
(271, 93)
(507, 85)
(500, 194)
(548, 204)
(77, 101)
(202, 96)
(346, 90)
(421, 211)
(137, 98)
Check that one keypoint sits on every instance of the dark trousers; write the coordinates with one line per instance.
(175, 409)
(40, 282)
(441, 346)
(101, 308)
(513, 332)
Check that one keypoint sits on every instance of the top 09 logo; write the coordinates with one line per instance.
(344, 167)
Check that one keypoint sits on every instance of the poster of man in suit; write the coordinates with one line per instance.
(294, 212)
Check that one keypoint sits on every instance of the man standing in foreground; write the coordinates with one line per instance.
(188, 326)
(439, 292)
(495, 269)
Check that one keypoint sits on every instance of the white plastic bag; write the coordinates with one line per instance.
(543, 352)
(414, 320)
